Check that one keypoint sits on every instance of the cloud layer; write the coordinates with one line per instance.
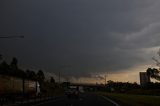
(80, 37)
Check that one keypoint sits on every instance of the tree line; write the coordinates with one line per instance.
(12, 69)
(121, 86)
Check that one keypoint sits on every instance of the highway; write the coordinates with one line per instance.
(85, 99)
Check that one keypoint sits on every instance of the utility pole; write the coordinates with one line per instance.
(59, 78)
(105, 80)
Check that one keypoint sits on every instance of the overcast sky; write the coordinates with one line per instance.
(81, 38)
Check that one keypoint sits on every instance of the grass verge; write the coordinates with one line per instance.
(133, 100)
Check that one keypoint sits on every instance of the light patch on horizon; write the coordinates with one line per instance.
(130, 75)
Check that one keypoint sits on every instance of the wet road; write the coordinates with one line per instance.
(85, 99)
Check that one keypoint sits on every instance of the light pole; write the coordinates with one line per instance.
(59, 78)
(105, 79)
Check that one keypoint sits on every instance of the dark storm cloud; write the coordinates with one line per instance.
(79, 37)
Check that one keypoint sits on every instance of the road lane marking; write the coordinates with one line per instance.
(47, 102)
(113, 102)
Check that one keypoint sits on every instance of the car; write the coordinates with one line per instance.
(72, 92)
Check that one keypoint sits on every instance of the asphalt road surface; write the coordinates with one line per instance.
(85, 99)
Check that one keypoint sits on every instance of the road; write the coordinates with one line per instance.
(84, 100)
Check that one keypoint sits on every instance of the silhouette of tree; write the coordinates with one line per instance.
(122, 86)
(4, 68)
(14, 63)
(20, 73)
(153, 73)
(13, 70)
(52, 80)
(40, 76)
(30, 75)
(0, 57)
(14, 67)
(40, 79)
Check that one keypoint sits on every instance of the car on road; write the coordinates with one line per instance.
(72, 92)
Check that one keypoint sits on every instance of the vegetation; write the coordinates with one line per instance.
(131, 88)
(120, 86)
(12, 69)
(46, 87)
(153, 73)
(132, 94)
(133, 100)
(52, 88)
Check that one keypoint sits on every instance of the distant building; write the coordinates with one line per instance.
(144, 78)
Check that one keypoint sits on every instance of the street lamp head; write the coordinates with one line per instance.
(10, 37)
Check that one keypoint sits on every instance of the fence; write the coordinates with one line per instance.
(19, 101)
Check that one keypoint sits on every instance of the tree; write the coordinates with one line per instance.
(40, 79)
(40, 76)
(19, 73)
(14, 67)
(14, 70)
(30, 75)
(4, 68)
(0, 57)
(153, 73)
(14, 63)
(52, 80)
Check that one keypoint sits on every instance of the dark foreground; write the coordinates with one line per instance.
(83, 100)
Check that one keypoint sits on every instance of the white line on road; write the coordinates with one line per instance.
(106, 98)
(46, 102)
